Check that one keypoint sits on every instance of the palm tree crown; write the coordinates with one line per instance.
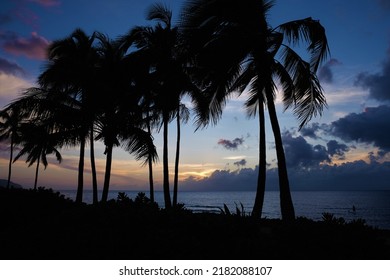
(236, 49)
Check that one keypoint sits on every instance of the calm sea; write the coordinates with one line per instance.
(372, 206)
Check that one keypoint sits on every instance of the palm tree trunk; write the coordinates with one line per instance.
(107, 175)
(150, 163)
(176, 179)
(167, 195)
(93, 169)
(259, 199)
(80, 185)
(10, 163)
(36, 172)
(286, 205)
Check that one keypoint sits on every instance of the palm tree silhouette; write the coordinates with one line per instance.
(9, 129)
(161, 48)
(71, 70)
(37, 142)
(120, 120)
(237, 49)
(182, 114)
(45, 123)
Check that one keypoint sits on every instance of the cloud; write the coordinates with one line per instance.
(10, 87)
(325, 73)
(311, 130)
(301, 154)
(46, 3)
(336, 148)
(34, 47)
(357, 175)
(384, 4)
(231, 145)
(240, 163)
(25, 15)
(371, 127)
(377, 84)
(224, 180)
(8, 67)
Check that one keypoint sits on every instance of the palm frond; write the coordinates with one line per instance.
(313, 33)
(161, 13)
(139, 143)
(310, 99)
(287, 84)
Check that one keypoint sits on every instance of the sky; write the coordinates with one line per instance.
(347, 148)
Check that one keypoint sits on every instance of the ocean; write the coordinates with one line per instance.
(372, 206)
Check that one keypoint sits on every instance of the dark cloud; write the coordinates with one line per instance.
(299, 153)
(377, 84)
(224, 180)
(357, 175)
(8, 67)
(240, 163)
(231, 145)
(336, 148)
(325, 73)
(371, 127)
(384, 4)
(34, 47)
(311, 130)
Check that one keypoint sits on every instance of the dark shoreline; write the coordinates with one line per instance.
(45, 225)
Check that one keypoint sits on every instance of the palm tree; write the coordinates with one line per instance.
(71, 71)
(37, 142)
(9, 129)
(182, 114)
(120, 119)
(45, 123)
(259, 56)
(162, 50)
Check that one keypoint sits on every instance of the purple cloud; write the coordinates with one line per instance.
(46, 3)
(240, 163)
(8, 67)
(34, 47)
(231, 145)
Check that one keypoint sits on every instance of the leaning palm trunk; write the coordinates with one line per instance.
(80, 185)
(93, 169)
(176, 179)
(10, 163)
(167, 195)
(286, 205)
(36, 173)
(259, 199)
(107, 175)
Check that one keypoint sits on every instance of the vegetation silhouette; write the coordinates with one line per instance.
(118, 91)
(71, 71)
(9, 130)
(162, 54)
(42, 224)
(37, 142)
(239, 50)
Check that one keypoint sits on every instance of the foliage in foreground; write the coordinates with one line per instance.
(42, 224)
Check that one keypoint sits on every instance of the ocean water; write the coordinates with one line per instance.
(372, 206)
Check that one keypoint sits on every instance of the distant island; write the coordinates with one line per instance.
(3, 183)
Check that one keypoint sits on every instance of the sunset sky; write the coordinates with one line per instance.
(347, 148)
